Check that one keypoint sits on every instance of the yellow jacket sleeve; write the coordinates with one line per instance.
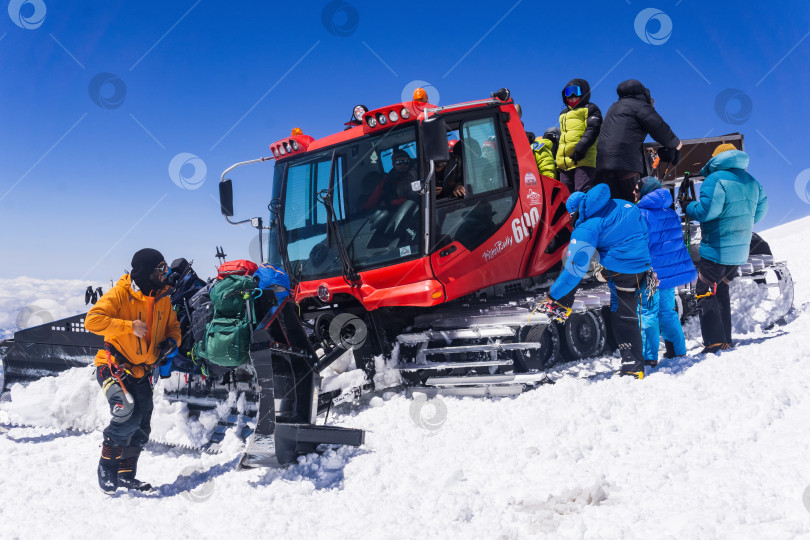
(103, 316)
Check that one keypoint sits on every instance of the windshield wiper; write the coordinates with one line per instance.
(275, 210)
(333, 229)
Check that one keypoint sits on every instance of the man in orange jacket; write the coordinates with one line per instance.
(140, 329)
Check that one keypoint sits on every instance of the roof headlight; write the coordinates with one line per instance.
(359, 111)
(275, 152)
(393, 116)
(405, 113)
(288, 148)
(372, 123)
(294, 144)
(382, 119)
(281, 150)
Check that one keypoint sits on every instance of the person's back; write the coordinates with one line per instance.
(670, 258)
(613, 227)
(622, 234)
(673, 267)
(620, 155)
(731, 201)
(544, 156)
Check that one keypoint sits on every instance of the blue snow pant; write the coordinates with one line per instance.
(135, 430)
(660, 318)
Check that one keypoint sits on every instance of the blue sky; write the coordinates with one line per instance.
(84, 165)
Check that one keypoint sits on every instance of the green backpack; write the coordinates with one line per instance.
(227, 337)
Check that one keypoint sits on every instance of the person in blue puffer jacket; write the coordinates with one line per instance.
(730, 202)
(616, 229)
(672, 265)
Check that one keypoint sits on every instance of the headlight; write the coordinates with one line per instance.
(294, 144)
(287, 147)
(281, 150)
(393, 116)
(405, 113)
(275, 152)
(359, 111)
(372, 123)
(381, 118)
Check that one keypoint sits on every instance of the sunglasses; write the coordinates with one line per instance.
(162, 268)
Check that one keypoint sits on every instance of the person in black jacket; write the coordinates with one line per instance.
(620, 149)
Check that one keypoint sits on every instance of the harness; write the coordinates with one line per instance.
(120, 368)
(116, 371)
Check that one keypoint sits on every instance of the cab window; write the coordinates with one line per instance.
(476, 164)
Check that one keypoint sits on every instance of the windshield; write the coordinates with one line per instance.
(375, 206)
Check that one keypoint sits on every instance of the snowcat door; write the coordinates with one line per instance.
(474, 244)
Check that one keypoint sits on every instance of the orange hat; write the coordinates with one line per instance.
(722, 148)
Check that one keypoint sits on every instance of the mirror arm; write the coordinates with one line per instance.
(222, 179)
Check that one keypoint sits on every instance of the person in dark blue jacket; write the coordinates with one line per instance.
(672, 265)
(616, 229)
(730, 202)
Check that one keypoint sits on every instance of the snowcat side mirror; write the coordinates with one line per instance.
(434, 139)
(226, 198)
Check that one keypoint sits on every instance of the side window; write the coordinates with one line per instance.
(483, 164)
(473, 219)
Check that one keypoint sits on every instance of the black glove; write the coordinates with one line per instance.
(577, 156)
(167, 349)
(684, 202)
(669, 155)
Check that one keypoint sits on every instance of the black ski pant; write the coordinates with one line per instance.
(621, 183)
(714, 303)
(135, 430)
(578, 179)
(626, 293)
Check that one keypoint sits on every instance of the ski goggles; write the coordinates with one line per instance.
(401, 162)
(574, 91)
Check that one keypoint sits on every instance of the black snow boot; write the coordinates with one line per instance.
(128, 467)
(670, 349)
(108, 467)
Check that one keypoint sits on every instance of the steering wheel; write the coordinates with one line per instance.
(377, 218)
(406, 209)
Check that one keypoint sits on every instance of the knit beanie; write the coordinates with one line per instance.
(649, 184)
(143, 264)
(723, 148)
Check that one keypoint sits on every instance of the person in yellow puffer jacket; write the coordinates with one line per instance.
(580, 123)
(545, 152)
(140, 329)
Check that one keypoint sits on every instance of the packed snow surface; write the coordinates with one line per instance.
(704, 447)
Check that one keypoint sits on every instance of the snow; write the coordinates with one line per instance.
(705, 447)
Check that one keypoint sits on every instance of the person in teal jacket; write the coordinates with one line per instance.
(730, 202)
